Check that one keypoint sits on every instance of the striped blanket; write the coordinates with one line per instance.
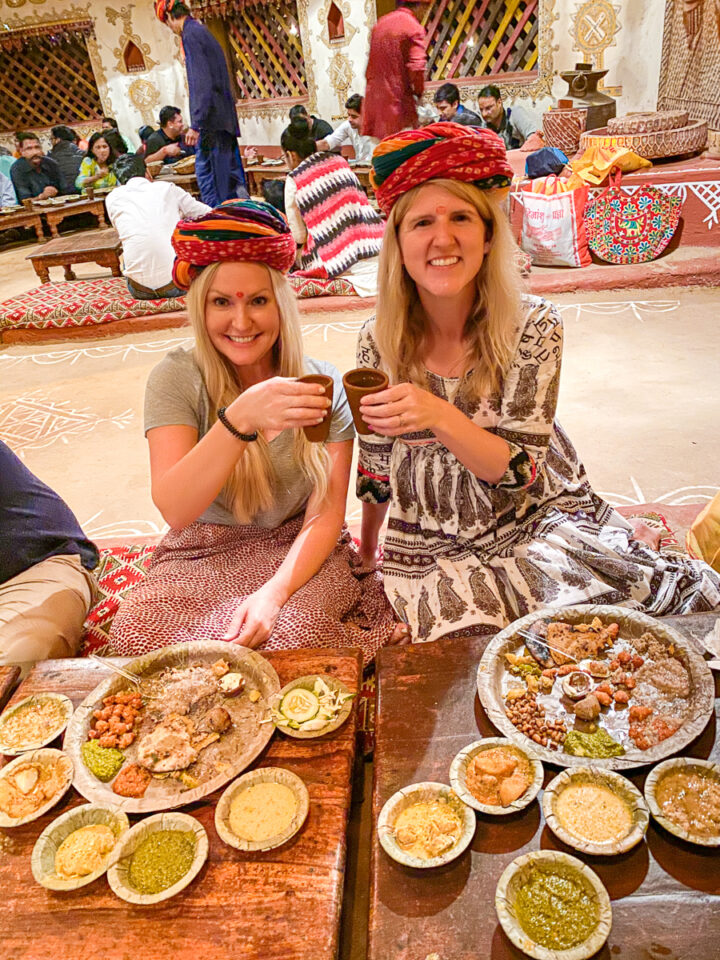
(342, 226)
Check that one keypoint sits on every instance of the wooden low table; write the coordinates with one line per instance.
(188, 181)
(23, 218)
(93, 246)
(283, 904)
(56, 214)
(428, 710)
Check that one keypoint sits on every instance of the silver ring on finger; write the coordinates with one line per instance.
(401, 420)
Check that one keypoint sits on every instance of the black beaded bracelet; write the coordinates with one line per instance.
(247, 437)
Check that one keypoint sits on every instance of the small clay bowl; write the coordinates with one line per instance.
(423, 793)
(458, 776)
(119, 870)
(360, 383)
(49, 841)
(619, 785)
(263, 775)
(319, 432)
(515, 876)
(67, 712)
(651, 784)
(308, 683)
(46, 755)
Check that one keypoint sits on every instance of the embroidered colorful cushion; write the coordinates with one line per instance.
(631, 229)
(311, 287)
(119, 569)
(79, 303)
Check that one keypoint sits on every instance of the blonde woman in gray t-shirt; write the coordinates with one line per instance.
(257, 553)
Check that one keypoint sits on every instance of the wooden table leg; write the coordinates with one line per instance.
(53, 224)
(102, 222)
(38, 225)
(42, 271)
(69, 273)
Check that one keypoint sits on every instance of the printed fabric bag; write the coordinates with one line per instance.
(631, 228)
(553, 230)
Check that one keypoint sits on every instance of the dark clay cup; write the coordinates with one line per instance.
(359, 383)
(319, 432)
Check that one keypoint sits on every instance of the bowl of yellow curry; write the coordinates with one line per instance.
(595, 810)
(425, 825)
(262, 809)
(77, 847)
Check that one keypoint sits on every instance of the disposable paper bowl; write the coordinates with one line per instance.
(517, 873)
(458, 776)
(423, 793)
(49, 841)
(263, 775)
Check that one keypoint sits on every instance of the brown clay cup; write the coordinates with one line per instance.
(359, 383)
(319, 432)
(90, 191)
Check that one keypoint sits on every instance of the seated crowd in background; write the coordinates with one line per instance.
(167, 143)
(34, 175)
(67, 155)
(96, 169)
(144, 212)
(447, 102)
(348, 133)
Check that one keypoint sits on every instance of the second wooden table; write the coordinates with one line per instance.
(93, 246)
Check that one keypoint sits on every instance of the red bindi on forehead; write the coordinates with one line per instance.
(441, 209)
(239, 294)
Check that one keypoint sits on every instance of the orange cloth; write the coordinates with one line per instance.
(597, 163)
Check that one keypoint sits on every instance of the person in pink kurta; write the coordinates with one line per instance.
(395, 71)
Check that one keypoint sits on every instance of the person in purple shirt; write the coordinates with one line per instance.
(213, 121)
(46, 586)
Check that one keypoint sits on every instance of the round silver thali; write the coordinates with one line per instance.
(492, 682)
(222, 760)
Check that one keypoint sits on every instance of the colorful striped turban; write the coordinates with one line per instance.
(163, 8)
(238, 230)
(440, 150)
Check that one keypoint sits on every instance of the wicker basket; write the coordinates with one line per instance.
(648, 122)
(651, 146)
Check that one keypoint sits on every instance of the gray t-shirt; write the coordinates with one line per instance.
(176, 395)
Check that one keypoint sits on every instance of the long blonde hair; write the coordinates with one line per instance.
(492, 327)
(249, 488)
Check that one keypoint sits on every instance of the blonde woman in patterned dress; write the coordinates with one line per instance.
(491, 514)
(257, 552)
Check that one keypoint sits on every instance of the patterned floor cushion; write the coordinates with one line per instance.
(79, 303)
(119, 569)
(306, 287)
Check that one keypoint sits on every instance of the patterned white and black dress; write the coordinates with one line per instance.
(465, 557)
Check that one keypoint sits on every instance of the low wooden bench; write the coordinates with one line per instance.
(92, 246)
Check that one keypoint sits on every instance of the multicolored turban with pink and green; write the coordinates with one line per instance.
(439, 151)
(237, 230)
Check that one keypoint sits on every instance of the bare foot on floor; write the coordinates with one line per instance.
(400, 635)
(645, 533)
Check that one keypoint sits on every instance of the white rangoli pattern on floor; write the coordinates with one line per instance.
(33, 421)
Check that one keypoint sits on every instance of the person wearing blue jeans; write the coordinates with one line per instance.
(214, 127)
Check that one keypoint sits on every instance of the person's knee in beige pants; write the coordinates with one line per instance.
(42, 611)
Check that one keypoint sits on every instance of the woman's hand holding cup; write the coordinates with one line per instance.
(280, 403)
(402, 409)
